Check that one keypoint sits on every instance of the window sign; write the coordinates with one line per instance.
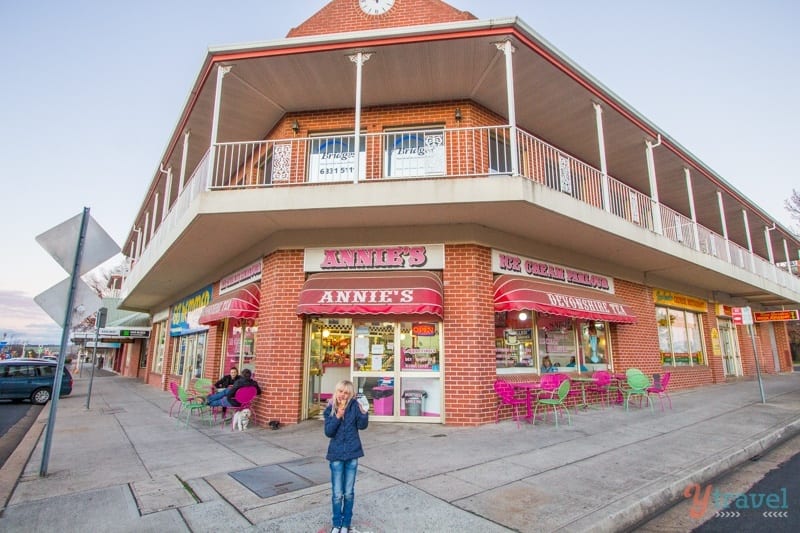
(333, 159)
(411, 154)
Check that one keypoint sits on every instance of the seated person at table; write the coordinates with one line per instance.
(547, 365)
(571, 364)
(227, 380)
(226, 398)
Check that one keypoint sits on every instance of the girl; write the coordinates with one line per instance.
(343, 419)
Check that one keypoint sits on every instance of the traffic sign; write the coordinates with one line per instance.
(742, 316)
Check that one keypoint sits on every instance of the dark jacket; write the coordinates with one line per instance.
(224, 382)
(345, 443)
(238, 384)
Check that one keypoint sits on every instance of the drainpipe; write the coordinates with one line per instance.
(786, 254)
(184, 157)
(359, 59)
(749, 241)
(155, 217)
(651, 173)
(221, 71)
(724, 224)
(690, 192)
(771, 256)
(145, 240)
(508, 49)
(601, 148)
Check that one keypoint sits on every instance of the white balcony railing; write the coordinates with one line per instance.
(441, 153)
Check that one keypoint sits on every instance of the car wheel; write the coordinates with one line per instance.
(40, 396)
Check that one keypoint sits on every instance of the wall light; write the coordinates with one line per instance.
(458, 114)
(295, 126)
(523, 316)
(326, 333)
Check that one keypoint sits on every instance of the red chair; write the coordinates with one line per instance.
(244, 397)
(505, 396)
(660, 389)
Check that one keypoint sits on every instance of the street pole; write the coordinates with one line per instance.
(758, 367)
(99, 322)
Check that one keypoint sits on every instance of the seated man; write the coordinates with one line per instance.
(227, 380)
(226, 398)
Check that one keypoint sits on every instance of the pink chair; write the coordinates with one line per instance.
(660, 389)
(550, 382)
(173, 388)
(505, 396)
(602, 386)
(244, 397)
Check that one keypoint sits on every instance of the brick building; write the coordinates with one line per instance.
(499, 211)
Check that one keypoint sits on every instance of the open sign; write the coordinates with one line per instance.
(423, 330)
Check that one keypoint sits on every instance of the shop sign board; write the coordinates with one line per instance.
(240, 278)
(508, 263)
(391, 257)
(776, 316)
(742, 316)
(186, 313)
(682, 301)
(114, 332)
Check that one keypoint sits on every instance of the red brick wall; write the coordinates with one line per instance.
(468, 335)
(279, 343)
(345, 15)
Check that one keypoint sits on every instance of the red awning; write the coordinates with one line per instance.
(372, 293)
(513, 293)
(241, 303)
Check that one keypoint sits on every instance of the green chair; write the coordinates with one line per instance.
(637, 385)
(202, 388)
(555, 401)
(191, 405)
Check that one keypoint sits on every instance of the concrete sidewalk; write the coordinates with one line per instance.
(126, 466)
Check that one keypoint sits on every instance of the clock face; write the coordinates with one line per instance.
(375, 7)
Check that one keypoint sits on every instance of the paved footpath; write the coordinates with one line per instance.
(126, 466)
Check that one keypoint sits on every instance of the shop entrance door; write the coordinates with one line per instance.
(187, 350)
(731, 359)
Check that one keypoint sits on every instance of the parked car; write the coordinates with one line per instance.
(31, 379)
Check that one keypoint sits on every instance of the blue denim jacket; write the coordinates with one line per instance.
(345, 443)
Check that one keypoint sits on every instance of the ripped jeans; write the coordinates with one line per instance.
(343, 480)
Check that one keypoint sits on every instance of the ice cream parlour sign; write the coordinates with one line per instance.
(506, 263)
(391, 257)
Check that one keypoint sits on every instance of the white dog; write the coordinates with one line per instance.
(241, 419)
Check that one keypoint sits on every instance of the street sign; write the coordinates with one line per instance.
(59, 241)
(742, 316)
(124, 333)
(54, 301)
(777, 316)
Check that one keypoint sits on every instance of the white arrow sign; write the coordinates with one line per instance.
(60, 242)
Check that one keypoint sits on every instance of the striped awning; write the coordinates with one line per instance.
(372, 293)
(241, 303)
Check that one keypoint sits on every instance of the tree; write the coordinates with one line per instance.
(793, 205)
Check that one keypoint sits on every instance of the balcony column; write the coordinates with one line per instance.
(749, 241)
(601, 148)
(692, 212)
(184, 156)
(786, 255)
(359, 59)
(221, 71)
(651, 173)
(155, 216)
(724, 225)
(167, 192)
(138, 250)
(508, 50)
(145, 240)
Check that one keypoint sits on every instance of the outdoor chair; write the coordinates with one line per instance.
(506, 396)
(602, 386)
(173, 388)
(637, 385)
(202, 388)
(244, 397)
(555, 402)
(660, 389)
(190, 405)
(632, 371)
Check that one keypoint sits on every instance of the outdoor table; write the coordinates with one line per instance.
(582, 381)
(528, 387)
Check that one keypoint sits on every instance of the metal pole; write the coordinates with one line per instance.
(76, 275)
(94, 359)
(758, 367)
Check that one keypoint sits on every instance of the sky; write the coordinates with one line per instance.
(91, 91)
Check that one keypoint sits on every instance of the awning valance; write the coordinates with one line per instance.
(241, 303)
(514, 293)
(372, 293)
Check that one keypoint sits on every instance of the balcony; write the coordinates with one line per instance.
(425, 155)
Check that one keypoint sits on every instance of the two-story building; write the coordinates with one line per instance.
(405, 196)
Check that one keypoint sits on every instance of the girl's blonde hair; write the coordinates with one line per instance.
(347, 386)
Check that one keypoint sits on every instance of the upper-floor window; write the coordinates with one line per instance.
(332, 158)
(415, 153)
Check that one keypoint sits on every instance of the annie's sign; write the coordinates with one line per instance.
(393, 257)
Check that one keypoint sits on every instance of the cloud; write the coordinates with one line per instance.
(22, 319)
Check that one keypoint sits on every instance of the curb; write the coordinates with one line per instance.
(15, 465)
(634, 513)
